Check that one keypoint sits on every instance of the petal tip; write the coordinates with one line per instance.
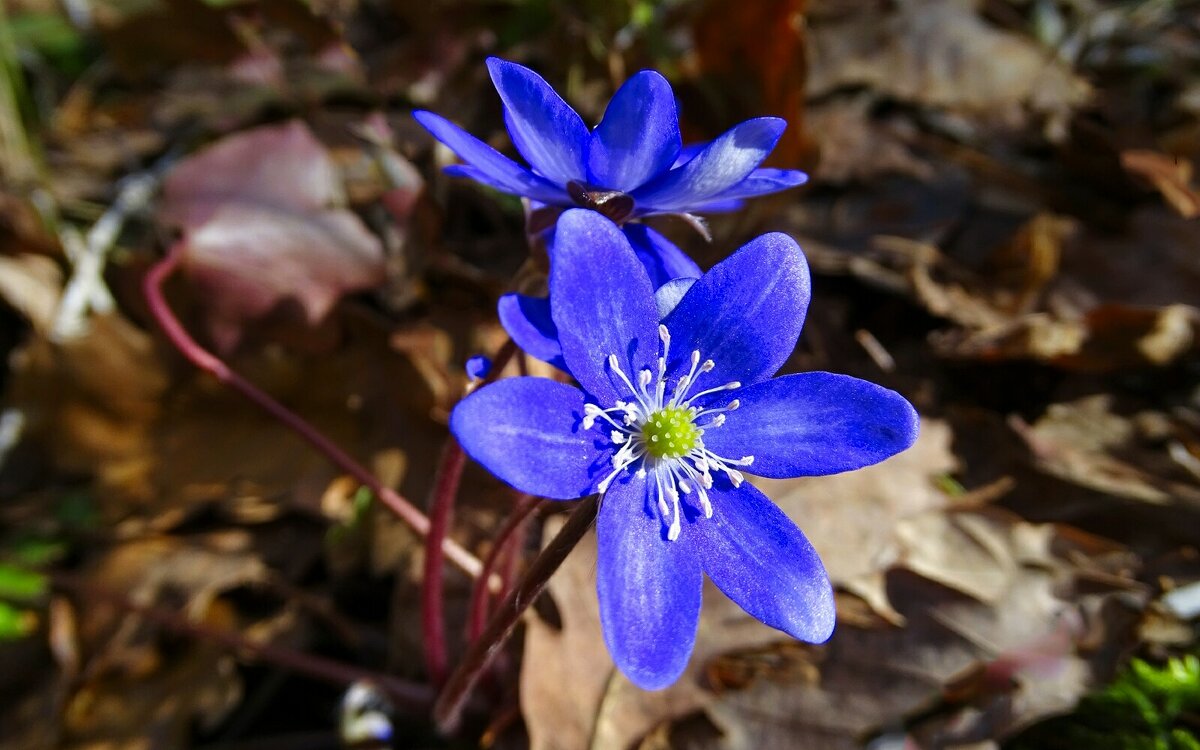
(648, 679)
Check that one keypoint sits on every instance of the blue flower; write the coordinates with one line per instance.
(632, 164)
(675, 402)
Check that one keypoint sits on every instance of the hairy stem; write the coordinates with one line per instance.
(448, 710)
(200, 357)
(441, 509)
(502, 548)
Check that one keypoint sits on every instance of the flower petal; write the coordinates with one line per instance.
(689, 152)
(662, 259)
(763, 182)
(667, 296)
(726, 161)
(638, 136)
(757, 556)
(649, 588)
(814, 423)
(602, 303)
(528, 321)
(486, 164)
(528, 432)
(717, 207)
(746, 313)
(548, 133)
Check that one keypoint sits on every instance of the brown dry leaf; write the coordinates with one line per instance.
(1170, 175)
(1040, 300)
(135, 691)
(942, 54)
(1086, 443)
(91, 404)
(32, 285)
(213, 447)
(961, 671)
(855, 148)
(1028, 643)
(263, 218)
(851, 518)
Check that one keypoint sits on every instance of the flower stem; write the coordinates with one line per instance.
(201, 358)
(441, 509)
(448, 710)
(502, 547)
(410, 695)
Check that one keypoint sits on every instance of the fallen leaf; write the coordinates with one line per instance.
(1086, 443)
(135, 685)
(852, 518)
(856, 148)
(961, 668)
(32, 285)
(940, 54)
(91, 404)
(262, 218)
(1170, 175)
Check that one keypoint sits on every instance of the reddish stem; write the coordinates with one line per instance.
(441, 508)
(447, 712)
(403, 693)
(200, 357)
(503, 547)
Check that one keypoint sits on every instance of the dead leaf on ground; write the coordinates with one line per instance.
(1039, 299)
(32, 285)
(1086, 443)
(263, 218)
(1170, 175)
(132, 685)
(1025, 624)
(851, 518)
(940, 54)
(854, 147)
(91, 404)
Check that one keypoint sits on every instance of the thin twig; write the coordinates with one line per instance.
(441, 510)
(411, 695)
(501, 546)
(200, 357)
(86, 289)
(447, 712)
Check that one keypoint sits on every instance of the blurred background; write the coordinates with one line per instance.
(1001, 223)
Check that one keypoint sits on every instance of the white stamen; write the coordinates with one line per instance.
(689, 475)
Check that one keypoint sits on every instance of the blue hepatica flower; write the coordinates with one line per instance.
(632, 164)
(671, 409)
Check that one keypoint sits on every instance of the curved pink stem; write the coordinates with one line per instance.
(153, 288)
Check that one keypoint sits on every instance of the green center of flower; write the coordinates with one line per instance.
(670, 432)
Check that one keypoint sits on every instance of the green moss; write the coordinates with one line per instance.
(1145, 708)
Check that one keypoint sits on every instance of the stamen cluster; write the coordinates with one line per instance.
(664, 436)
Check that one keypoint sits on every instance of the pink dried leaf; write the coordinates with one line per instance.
(263, 220)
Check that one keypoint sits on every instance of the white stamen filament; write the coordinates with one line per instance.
(690, 474)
